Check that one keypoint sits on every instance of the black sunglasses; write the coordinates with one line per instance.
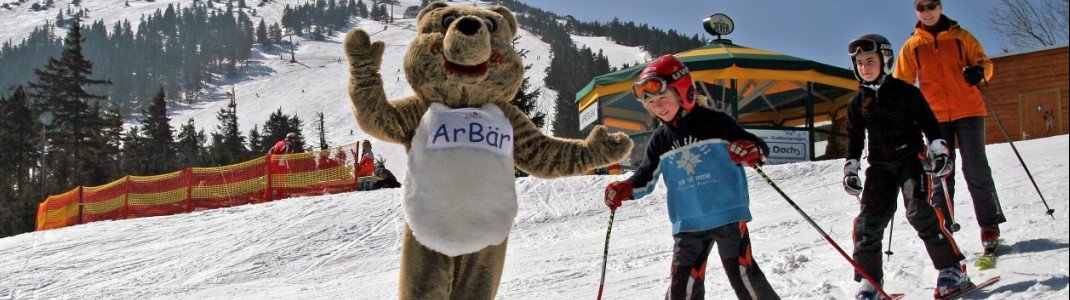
(923, 7)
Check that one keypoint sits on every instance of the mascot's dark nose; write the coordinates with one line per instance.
(469, 26)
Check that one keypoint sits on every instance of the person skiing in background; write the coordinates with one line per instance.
(697, 150)
(895, 116)
(947, 63)
(284, 146)
(279, 166)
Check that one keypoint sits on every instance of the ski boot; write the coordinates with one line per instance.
(867, 292)
(951, 280)
(990, 238)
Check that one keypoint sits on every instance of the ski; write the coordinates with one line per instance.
(897, 296)
(970, 289)
(987, 261)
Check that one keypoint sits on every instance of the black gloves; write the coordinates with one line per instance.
(973, 74)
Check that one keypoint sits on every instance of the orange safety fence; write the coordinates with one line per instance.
(227, 186)
(192, 189)
(105, 202)
(313, 173)
(158, 195)
(59, 210)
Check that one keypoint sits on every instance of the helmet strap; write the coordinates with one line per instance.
(876, 84)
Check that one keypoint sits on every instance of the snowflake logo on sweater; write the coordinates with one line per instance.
(688, 161)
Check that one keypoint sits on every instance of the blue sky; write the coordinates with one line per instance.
(813, 29)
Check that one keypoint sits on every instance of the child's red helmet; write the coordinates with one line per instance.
(662, 73)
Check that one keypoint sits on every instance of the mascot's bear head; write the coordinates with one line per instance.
(463, 56)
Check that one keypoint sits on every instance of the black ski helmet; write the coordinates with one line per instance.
(872, 43)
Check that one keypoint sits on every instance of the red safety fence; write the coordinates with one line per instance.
(192, 189)
(59, 210)
(105, 202)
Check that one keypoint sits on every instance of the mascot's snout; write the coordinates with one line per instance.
(465, 34)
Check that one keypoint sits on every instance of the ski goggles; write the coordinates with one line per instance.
(922, 7)
(865, 46)
(655, 84)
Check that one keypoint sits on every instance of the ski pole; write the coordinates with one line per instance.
(950, 206)
(931, 177)
(984, 98)
(891, 228)
(854, 264)
(605, 253)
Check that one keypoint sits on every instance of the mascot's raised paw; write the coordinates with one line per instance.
(614, 145)
(364, 55)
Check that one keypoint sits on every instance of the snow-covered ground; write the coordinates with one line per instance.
(618, 55)
(346, 246)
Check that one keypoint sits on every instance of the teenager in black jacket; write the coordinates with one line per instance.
(895, 115)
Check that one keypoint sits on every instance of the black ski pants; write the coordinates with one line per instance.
(689, 255)
(884, 181)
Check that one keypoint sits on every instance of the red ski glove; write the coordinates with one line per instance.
(745, 152)
(617, 192)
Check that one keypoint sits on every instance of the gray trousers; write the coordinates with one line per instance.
(968, 136)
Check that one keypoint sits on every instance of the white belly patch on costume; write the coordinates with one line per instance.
(460, 190)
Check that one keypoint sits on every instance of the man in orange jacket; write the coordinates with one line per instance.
(947, 63)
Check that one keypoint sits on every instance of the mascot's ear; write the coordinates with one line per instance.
(430, 7)
(510, 19)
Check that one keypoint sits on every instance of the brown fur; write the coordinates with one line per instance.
(437, 48)
(433, 275)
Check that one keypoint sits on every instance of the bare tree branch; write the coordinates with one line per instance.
(1029, 24)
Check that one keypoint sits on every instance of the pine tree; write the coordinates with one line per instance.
(275, 33)
(228, 144)
(75, 134)
(526, 101)
(159, 139)
(262, 35)
(113, 136)
(19, 192)
(362, 9)
(189, 145)
(255, 140)
(322, 131)
(134, 160)
(276, 128)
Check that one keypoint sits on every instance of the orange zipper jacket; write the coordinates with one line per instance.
(936, 63)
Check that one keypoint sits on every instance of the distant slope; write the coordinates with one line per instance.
(346, 246)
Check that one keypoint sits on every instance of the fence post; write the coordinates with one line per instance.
(81, 205)
(267, 170)
(126, 200)
(188, 173)
(356, 166)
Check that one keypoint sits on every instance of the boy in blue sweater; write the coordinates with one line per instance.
(707, 188)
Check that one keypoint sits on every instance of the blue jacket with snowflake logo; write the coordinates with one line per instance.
(705, 188)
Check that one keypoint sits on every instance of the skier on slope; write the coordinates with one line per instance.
(895, 115)
(697, 150)
(280, 166)
(948, 77)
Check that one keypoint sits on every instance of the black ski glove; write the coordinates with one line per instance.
(973, 74)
